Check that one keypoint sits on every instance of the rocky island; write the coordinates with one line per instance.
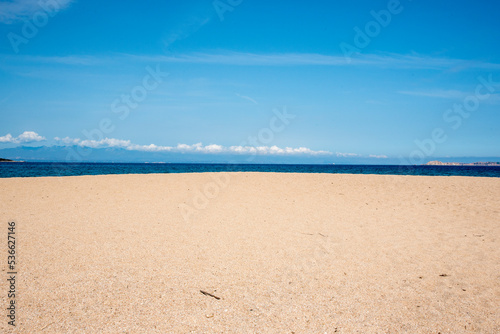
(480, 163)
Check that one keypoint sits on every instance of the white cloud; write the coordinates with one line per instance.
(214, 148)
(7, 138)
(189, 148)
(347, 155)
(30, 136)
(106, 142)
(149, 148)
(185, 148)
(25, 137)
(67, 140)
(18, 10)
(274, 150)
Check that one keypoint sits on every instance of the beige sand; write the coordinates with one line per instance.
(302, 253)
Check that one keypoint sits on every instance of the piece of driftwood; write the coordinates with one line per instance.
(209, 294)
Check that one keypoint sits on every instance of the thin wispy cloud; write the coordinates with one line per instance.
(301, 59)
(247, 98)
(451, 94)
(67, 60)
(19, 10)
(439, 93)
(389, 60)
(186, 29)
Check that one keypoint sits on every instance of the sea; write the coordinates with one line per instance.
(37, 169)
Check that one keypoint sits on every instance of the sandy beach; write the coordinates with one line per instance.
(283, 253)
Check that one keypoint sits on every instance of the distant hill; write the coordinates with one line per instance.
(5, 160)
(77, 154)
(480, 163)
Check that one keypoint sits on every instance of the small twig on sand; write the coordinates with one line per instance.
(322, 235)
(47, 326)
(306, 233)
(209, 294)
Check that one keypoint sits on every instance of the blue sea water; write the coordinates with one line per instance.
(34, 169)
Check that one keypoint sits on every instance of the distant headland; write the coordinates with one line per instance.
(6, 160)
(480, 163)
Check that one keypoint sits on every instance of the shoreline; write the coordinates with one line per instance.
(48, 169)
(244, 172)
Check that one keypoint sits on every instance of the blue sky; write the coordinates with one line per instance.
(385, 81)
